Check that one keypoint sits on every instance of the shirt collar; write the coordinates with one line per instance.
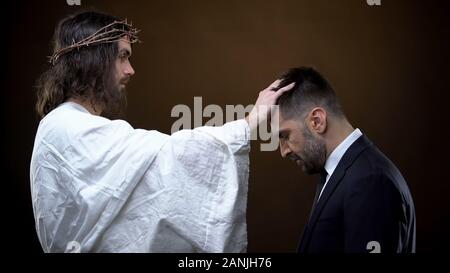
(339, 151)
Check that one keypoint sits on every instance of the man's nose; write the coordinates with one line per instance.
(284, 149)
(129, 70)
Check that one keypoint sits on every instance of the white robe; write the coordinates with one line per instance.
(111, 188)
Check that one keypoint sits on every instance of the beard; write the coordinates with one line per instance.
(314, 153)
(116, 102)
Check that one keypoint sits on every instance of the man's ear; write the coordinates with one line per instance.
(317, 120)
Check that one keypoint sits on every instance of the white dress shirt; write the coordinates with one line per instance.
(336, 155)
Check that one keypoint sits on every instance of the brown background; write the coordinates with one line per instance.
(388, 64)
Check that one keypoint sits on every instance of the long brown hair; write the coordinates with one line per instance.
(85, 73)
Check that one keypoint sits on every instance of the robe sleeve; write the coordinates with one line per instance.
(207, 169)
(192, 198)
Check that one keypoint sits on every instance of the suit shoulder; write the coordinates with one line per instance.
(372, 162)
(374, 169)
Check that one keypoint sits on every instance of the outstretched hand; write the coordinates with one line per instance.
(266, 99)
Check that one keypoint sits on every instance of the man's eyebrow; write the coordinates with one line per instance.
(282, 133)
(125, 51)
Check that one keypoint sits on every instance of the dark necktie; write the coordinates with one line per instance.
(320, 184)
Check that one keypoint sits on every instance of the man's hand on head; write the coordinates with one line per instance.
(267, 98)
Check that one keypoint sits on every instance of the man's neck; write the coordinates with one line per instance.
(339, 131)
(87, 105)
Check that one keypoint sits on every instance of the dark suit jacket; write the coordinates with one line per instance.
(365, 202)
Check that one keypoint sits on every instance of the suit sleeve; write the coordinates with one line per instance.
(371, 220)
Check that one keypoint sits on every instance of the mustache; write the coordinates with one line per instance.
(125, 80)
(294, 157)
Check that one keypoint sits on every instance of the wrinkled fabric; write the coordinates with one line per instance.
(111, 188)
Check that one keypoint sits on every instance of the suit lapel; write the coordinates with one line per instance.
(346, 161)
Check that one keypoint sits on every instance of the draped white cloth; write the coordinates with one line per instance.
(111, 188)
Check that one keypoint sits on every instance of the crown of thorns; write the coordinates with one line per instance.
(108, 34)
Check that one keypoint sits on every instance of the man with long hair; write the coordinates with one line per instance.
(99, 185)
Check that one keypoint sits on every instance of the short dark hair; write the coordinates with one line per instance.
(86, 72)
(311, 89)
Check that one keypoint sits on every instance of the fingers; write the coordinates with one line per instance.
(274, 84)
(284, 89)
